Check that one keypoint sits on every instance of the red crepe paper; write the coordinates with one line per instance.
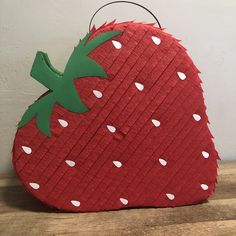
(170, 161)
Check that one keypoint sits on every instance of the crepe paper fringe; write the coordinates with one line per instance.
(94, 183)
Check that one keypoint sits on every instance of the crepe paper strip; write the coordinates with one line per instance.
(167, 174)
(191, 175)
(61, 85)
(142, 158)
(89, 132)
(136, 101)
(137, 154)
(163, 141)
(156, 91)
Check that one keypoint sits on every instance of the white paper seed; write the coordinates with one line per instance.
(118, 164)
(205, 154)
(157, 123)
(170, 196)
(196, 117)
(70, 163)
(181, 75)
(162, 162)
(139, 86)
(156, 40)
(124, 201)
(111, 128)
(204, 186)
(34, 185)
(75, 203)
(97, 93)
(27, 150)
(116, 44)
(63, 123)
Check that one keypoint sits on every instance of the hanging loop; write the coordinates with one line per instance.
(134, 3)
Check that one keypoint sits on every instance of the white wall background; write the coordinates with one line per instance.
(207, 29)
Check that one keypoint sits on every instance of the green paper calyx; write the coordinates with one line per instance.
(60, 85)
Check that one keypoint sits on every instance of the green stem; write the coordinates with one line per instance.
(44, 72)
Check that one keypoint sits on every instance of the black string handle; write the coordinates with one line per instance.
(134, 3)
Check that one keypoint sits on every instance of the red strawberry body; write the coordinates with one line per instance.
(143, 142)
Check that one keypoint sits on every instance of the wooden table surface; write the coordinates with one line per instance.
(22, 214)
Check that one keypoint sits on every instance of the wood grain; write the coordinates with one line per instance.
(21, 214)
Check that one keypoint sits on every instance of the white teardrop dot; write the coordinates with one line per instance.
(156, 40)
(139, 86)
(63, 123)
(97, 93)
(205, 154)
(34, 185)
(157, 123)
(162, 162)
(116, 44)
(70, 163)
(124, 201)
(181, 75)
(111, 128)
(27, 150)
(118, 164)
(170, 196)
(196, 117)
(75, 203)
(204, 186)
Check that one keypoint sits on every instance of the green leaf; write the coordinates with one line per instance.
(41, 109)
(100, 39)
(79, 64)
(43, 119)
(28, 115)
(84, 40)
(87, 67)
(70, 99)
